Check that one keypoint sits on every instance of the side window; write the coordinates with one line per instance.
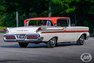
(62, 22)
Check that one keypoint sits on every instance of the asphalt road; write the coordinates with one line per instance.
(38, 53)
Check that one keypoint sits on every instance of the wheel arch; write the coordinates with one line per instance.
(55, 37)
(85, 35)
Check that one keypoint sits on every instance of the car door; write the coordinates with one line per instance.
(67, 34)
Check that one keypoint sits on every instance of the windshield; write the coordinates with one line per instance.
(39, 23)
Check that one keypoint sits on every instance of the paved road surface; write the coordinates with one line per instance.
(64, 53)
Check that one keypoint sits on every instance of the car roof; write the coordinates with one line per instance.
(47, 18)
(53, 19)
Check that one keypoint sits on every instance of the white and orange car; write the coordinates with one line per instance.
(49, 30)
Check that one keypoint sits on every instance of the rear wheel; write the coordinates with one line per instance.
(81, 40)
(23, 45)
(52, 43)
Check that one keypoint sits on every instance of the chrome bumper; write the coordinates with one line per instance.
(26, 40)
(39, 39)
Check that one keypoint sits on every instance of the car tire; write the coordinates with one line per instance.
(52, 43)
(81, 40)
(23, 45)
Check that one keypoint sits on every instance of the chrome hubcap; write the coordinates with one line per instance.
(53, 42)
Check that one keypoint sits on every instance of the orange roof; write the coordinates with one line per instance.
(47, 18)
(53, 19)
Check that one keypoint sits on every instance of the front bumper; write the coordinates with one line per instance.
(39, 39)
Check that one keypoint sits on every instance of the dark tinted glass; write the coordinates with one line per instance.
(62, 22)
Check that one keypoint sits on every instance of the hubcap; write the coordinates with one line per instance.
(82, 40)
(52, 42)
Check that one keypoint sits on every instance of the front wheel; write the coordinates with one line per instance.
(81, 40)
(23, 45)
(52, 43)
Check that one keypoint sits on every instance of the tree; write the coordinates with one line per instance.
(79, 10)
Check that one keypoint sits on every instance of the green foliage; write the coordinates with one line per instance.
(81, 10)
(2, 28)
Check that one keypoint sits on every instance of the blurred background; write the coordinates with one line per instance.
(81, 12)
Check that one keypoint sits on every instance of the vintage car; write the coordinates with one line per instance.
(49, 30)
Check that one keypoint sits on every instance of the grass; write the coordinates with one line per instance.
(2, 29)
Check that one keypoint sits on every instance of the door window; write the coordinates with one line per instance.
(62, 22)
